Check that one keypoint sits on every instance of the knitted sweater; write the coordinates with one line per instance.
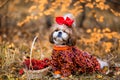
(71, 60)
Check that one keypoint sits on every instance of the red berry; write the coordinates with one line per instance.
(21, 71)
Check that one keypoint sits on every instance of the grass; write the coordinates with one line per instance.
(104, 44)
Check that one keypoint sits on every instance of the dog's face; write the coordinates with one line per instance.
(62, 35)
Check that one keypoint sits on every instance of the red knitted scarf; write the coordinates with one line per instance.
(58, 48)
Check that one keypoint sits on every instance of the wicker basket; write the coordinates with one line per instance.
(36, 74)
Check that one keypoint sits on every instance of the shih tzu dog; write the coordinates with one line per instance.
(66, 58)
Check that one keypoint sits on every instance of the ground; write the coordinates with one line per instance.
(15, 44)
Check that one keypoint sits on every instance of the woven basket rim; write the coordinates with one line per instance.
(37, 71)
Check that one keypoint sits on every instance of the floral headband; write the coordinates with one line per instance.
(68, 22)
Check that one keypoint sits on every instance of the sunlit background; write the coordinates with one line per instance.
(97, 28)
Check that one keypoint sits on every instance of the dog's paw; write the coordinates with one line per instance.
(56, 74)
(104, 66)
(103, 63)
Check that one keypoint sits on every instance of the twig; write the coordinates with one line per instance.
(5, 2)
(112, 57)
(41, 52)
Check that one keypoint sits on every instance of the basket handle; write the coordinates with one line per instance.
(32, 49)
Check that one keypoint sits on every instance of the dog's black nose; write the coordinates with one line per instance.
(59, 34)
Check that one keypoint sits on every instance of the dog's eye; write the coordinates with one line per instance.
(64, 31)
(56, 30)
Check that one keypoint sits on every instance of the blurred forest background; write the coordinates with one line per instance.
(97, 28)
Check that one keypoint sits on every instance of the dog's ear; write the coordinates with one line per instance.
(71, 41)
(51, 38)
(72, 38)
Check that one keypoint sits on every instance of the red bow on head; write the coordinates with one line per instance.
(67, 21)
